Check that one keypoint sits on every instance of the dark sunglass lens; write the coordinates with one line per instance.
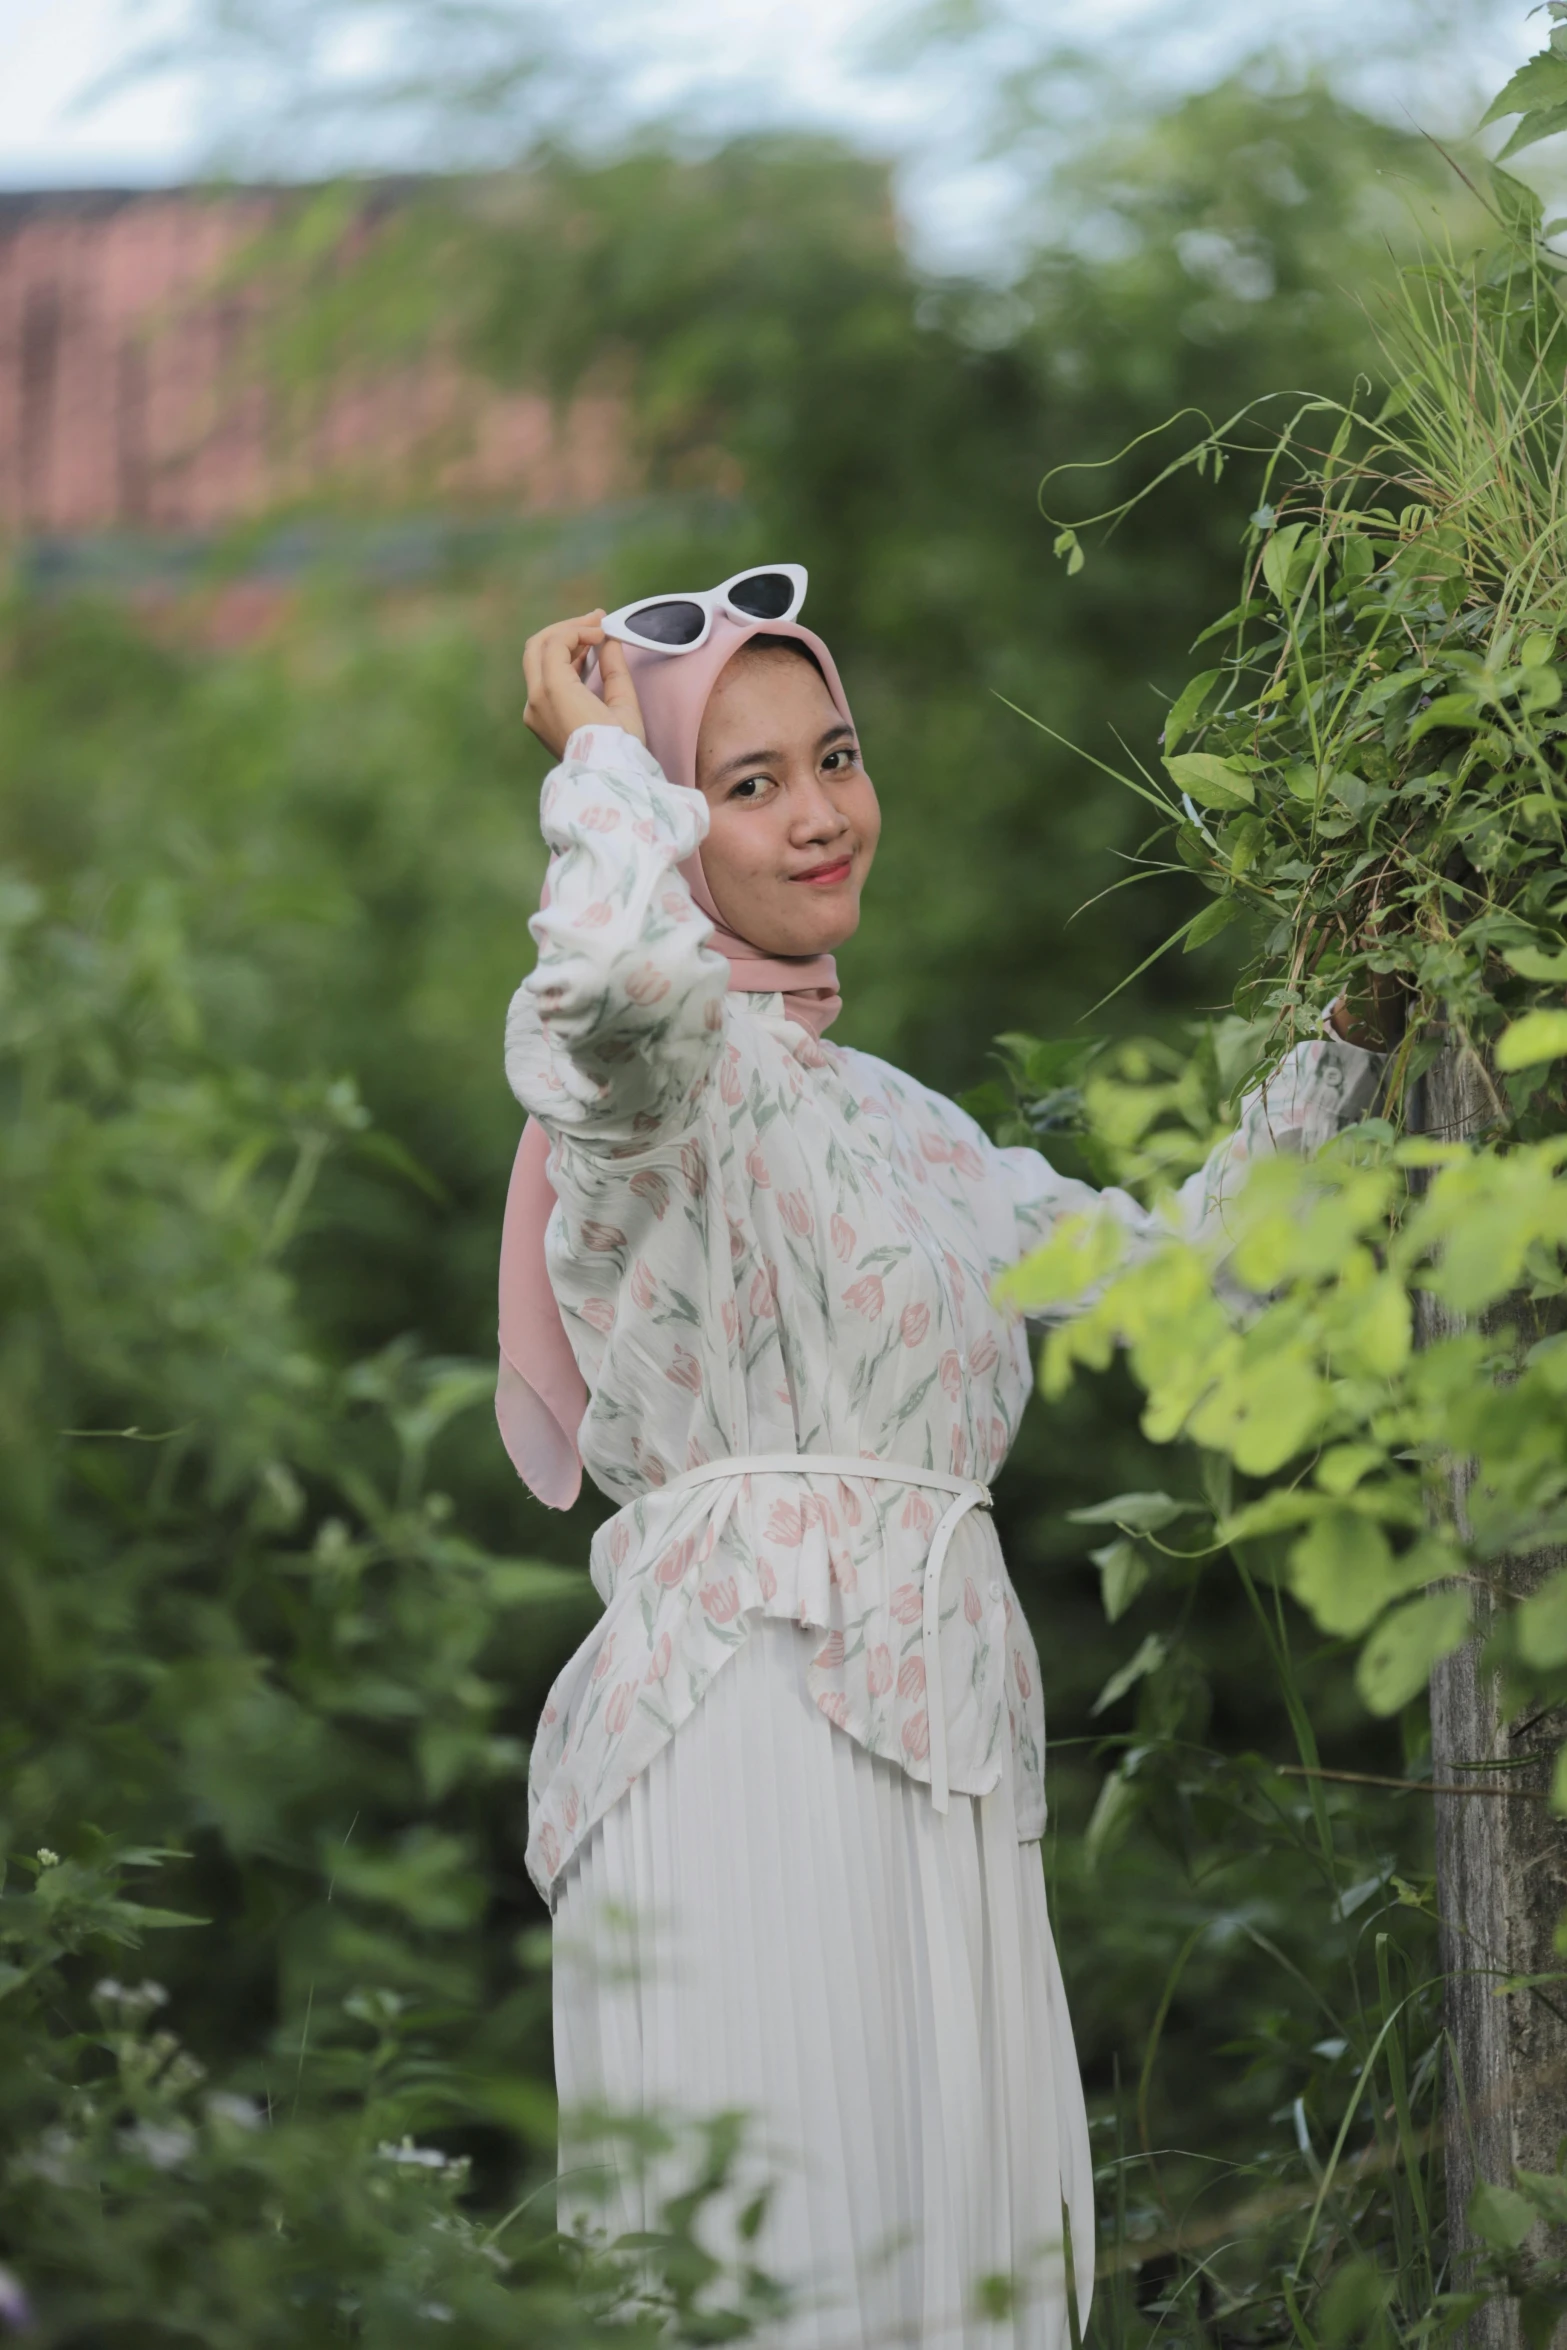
(766, 595)
(678, 623)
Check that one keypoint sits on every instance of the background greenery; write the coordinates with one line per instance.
(277, 1618)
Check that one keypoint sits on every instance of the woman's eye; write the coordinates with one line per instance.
(750, 788)
(838, 762)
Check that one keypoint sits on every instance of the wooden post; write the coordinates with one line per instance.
(1501, 1861)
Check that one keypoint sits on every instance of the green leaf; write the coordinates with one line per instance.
(1213, 918)
(1396, 1662)
(1186, 706)
(1541, 122)
(1534, 963)
(1278, 558)
(1148, 1659)
(1123, 1572)
(1501, 2217)
(1137, 1513)
(1344, 1573)
(1538, 1036)
(1446, 710)
(1542, 82)
(1277, 1512)
(1540, 1625)
(1117, 1806)
(1518, 204)
(1236, 618)
(1547, 2191)
(1066, 545)
(1212, 782)
(1340, 1470)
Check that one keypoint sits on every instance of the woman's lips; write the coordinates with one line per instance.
(823, 876)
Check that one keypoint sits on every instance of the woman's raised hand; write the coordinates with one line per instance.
(558, 701)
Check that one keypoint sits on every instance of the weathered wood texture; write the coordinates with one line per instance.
(1501, 1861)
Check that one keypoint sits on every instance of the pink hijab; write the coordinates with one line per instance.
(540, 1396)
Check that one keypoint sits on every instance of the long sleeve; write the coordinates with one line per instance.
(1318, 1089)
(612, 1037)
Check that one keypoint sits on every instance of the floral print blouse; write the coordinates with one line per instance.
(767, 1243)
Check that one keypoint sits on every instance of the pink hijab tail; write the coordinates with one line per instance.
(540, 1396)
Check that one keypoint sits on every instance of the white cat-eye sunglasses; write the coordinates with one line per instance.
(678, 624)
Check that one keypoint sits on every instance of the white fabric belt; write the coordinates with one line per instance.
(967, 1495)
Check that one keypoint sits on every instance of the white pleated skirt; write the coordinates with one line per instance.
(774, 1920)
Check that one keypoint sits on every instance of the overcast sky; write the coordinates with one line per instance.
(794, 52)
(728, 64)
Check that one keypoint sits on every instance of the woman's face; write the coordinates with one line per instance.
(795, 819)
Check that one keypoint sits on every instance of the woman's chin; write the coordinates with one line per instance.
(799, 931)
(831, 926)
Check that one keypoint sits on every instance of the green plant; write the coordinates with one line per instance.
(1374, 770)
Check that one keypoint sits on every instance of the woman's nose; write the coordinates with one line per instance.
(817, 815)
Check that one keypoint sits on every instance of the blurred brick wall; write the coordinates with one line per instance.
(130, 399)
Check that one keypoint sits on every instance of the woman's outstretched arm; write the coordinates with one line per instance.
(1319, 1088)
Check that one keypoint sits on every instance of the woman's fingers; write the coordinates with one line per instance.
(558, 701)
(620, 694)
(559, 648)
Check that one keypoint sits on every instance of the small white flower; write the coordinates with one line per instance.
(164, 2145)
(422, 2157)
(52, 2158)
(46, 1858)
(242, 2112)
(133, 2000)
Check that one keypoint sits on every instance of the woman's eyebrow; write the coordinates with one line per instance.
(765, 758)
(743, 759)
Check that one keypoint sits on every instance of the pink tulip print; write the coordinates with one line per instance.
(785, 1524)
(919, 1513)
(647, 986)
(795, 1211)
(721, 1599)
(652, 1187)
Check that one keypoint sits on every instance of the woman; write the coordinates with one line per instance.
(786, 1800)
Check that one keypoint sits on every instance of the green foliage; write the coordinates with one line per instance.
(1372, 771)
(1371, 768)
(251, 1664)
